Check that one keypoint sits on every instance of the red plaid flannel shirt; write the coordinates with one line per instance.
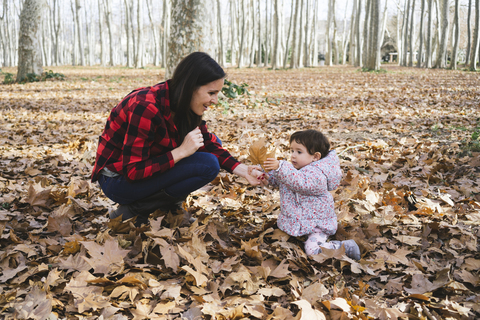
(140, 134)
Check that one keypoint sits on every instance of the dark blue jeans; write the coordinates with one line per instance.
(188, 175)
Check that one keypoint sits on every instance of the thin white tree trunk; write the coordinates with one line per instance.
(476, 37)
(420, 47)
(366, 41)
(79, 22)
(287, 44)
(358, 40)
(442, 49)
(276, 24)
(306, 46)
(221, 52)
(469, 33)
(242, 39)
(428, 53)
(412, 34)
(233, 33)
(259, 37)
(300, 37)
(456, 25)
(108, 19)
(29, 47)
(140, 56)
(252, 44)
(293, 58)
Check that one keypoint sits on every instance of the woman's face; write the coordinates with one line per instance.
(205, 96)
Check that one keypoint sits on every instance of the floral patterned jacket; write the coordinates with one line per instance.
(305, 200)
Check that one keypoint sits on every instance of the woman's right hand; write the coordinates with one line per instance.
(191, 143)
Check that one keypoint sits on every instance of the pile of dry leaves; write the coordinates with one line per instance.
(410, 197)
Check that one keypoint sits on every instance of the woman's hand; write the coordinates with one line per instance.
(192, 142)
(271, 164)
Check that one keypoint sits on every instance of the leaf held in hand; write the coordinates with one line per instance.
(258, 152)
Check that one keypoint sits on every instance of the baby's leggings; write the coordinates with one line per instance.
(319, 239)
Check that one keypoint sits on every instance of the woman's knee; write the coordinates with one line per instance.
(211, 165)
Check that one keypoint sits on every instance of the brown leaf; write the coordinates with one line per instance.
(258, 152)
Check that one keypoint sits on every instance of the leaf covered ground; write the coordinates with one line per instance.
(410, 197)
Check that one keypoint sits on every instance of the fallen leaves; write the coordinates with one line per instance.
(409, 197)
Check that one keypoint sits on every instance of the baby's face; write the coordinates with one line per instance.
(300, 156)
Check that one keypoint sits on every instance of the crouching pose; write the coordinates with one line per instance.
(156, 149)
(307, 208)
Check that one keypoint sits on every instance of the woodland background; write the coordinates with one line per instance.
(408, 140)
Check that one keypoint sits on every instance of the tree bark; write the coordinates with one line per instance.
(300, 37)
(366, 38)
(428, 55)
(442, 50)
(233, 33)
(140, 56)
(252, 44)
(420, 32)
(476, 37)
(306, 56)
(456, 25)
(293, 57)
(469, 33)
(108, 20)
(79, 23)
(328, 34)
(412, 34)
(373, 61)
(242, 38)
(406, 20)
(190, 31)
(276, 43)
(29, 47)
(358, 40)
(221, 53)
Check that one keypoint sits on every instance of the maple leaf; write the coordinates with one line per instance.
(37, 305)
(169, 256)
(61, 224)
(200, 279)
(258, 152)
(107, 258)
(38, 196)
(398, 257)
(307, 312)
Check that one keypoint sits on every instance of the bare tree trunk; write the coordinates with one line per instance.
(154, 32)
(128, 32)
(406, 20)
(102, 35)
(108, 19)
(315, 34)
(328, 33)
(276, 44)
(300, 37)
(358, 35)
(469, 33)
(420, 47)
(166, 31)
(287, 44)
(383, 29)
(190, 31)
(293, 57)
(140, 56)
(29, 48)
(233, 32)
(428, 57)
(442, 50)
(221, 53)
(252, 44)
(259, 40)
(412, 34)
(306, 61)
(476, 37)
(456, 25)
(242, 39)
(373, 61)
(366, 41)
(79, 22)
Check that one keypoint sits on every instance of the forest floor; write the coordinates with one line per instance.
(410, 197)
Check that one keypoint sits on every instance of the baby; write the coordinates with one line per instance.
(307, 208)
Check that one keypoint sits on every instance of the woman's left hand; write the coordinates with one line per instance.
(254, 176)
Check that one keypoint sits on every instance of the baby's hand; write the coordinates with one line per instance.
(271, 164)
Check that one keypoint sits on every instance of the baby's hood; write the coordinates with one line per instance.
(330, 166)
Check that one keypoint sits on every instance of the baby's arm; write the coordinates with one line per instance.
(271, 164)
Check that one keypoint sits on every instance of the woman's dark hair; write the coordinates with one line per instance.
(313, 140)
(195, 70)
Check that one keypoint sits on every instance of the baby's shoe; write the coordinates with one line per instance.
(351, 249)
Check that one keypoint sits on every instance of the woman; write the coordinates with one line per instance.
(156, 149)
